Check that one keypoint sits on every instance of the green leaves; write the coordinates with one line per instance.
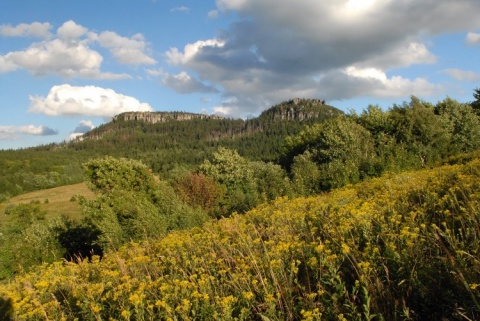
(132, 204)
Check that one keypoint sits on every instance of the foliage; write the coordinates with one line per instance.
(234, 172)
(28, 170)
(476, 103)
(349, 149)
(199, 190)
(401, 247)
(108, 174)
(342, 150)
(132, 204)
(162, 146)
(462, 125)
(27, 239)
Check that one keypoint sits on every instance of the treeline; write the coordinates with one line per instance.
(352, 148)
(26, 170)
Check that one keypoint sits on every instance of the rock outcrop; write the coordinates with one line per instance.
(300, 109)
(161, 117)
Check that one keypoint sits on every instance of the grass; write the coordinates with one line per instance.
(59, 200)
(400, 247)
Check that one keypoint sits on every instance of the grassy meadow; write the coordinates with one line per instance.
(54, 201)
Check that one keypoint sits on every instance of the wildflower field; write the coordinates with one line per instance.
(401, 247)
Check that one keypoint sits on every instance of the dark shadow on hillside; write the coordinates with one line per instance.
(6, 309)
(80, 242)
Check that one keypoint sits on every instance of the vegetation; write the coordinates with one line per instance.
(401, 247)
(352, 217)
(164, 147)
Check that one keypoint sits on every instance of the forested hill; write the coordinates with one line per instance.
(162, 140)
(213, 127)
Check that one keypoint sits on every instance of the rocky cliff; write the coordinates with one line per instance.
(300, 110)
(161, 117)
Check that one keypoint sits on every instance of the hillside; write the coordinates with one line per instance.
(400, 247)
(54, 201)
(369, 216)
(161, 139)
(177, 139)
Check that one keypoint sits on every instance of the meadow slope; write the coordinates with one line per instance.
(400, 247)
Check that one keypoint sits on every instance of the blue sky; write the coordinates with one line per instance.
(67, 66)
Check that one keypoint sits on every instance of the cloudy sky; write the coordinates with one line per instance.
(67, 66)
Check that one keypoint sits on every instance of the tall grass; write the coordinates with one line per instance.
(401, 247)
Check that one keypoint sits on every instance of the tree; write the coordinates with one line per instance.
(107, 174)
(271, 180)
(417, 130)
(305, 175)
(132, 204)
(234, 172)
(476, 103)
(462, 123)
(199, 190)
(342, 150)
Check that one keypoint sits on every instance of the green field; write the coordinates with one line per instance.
(55, 201)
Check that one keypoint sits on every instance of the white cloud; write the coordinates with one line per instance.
(68, 59)
(70, 54)
(278, 48)
(11, 132)
(131, 51)
(180, 9)
(58, 57)
(462, 75)
(35, 29)
(473, 38)
(6, 65)
(155, 72)
(183, 83)
(67, 100)
(71, 31)
(83, 127)
(175, 57)
(358, 82)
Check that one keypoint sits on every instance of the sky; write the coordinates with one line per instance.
(67, 66)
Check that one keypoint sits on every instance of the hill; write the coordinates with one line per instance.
(162, 140)
(400, 247)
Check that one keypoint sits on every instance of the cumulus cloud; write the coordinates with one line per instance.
(11, 132)
(57, 57)
(35, 29)
(473, 38)
(356, 82)
(130, 51)
(83, 127)
(184, 83)
(67, 100)
(70, 54)
(462, 75)
(279, 49)
(71, 31)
